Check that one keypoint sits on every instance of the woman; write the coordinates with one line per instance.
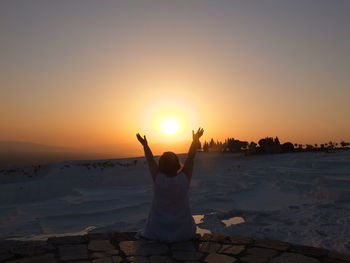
(170, 217)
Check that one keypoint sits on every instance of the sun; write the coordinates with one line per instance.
(170, 126)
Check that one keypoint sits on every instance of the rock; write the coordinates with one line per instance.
(309, 251)
(161, 259)
(209, 247)
(214, 258)
(332, 260)
(340, 256)
(273, 244)
(197, 237)
(113, 252)
(138, 259)
(215, 238)
(206, 237)
(98, 236)
(67, 240)
(103, 260)
(30, 248)
(231, 249)
(117, 259)
(238, 240)
(293, 258)
(103, 254)
(73, 252)
(187, 255)
(6, 256)
(100, 245)
(114, 259)
(185, 246)
(258, 255)
(46, 258)
(98, 255)
(221, 238)
(140, 248)
(123, 236)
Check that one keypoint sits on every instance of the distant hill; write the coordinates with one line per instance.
(19, 146)
(29, 153)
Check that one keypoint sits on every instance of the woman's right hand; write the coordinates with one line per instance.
(143, 140)
(198, 134)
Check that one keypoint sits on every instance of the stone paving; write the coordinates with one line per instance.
(123, 247)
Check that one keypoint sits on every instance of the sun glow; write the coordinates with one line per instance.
(168, 120)
(170, 126)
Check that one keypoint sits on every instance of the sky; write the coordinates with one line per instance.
(93, 73)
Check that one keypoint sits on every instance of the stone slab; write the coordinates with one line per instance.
(205, 237)
(6, 256)
(273, 244)
(102, 254)
(209, 247)
(161, 259)
(103, 260)
(239, 240)
(117, 259)
(138, 259)
(220, 238)
(231, 249)
(258, 255)
(123, 236)
(28, 248)
(214, 258)
(293, 258)
(46, 258)
(140, 248)
(215, 238)
(333, 260)
(100, 245)
(187, 255)
(309, 251)
(113, 252)
(98, 236)
(67, 240)
(185, 246)
(73, 252)
(98, 255)
(339, 256)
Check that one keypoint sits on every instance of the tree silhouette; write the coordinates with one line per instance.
(265, 145)
(206, 147)
(287, 147)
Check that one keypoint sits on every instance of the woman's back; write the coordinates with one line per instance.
(170, 217)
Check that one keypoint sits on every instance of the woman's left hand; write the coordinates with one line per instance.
(143, 140)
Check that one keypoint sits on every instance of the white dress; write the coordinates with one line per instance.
(170, 217)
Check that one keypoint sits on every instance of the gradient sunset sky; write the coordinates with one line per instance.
(86, 73)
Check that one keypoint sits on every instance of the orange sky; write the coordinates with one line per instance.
(86, 75)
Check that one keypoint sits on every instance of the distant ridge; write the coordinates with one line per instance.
(22, 146)
(30, 153)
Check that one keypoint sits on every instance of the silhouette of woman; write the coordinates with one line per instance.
(170, 217)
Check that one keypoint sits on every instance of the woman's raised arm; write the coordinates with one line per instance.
(188, 166)
(152, 164)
